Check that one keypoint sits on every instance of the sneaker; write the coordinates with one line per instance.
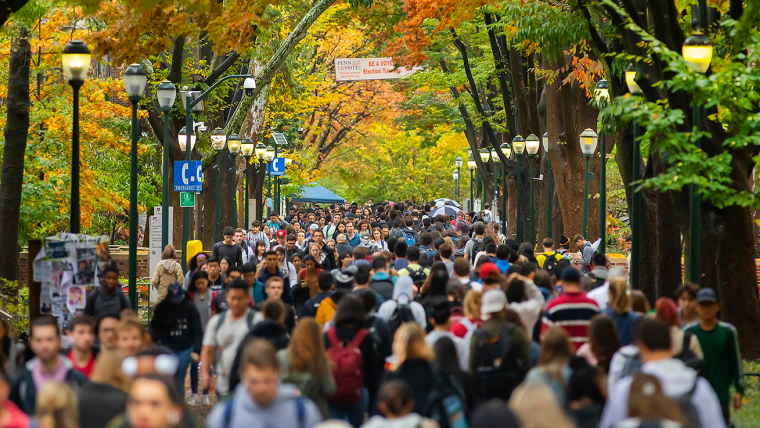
(193, 401)
(205, 400)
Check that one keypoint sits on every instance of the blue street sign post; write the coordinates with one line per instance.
(188, 176)
(277, 167)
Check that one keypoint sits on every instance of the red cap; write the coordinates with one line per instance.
(281, 233)
(490, 271)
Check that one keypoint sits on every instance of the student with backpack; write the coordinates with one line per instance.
(396, 404)
(417, 272)
(473, 245)
(649, 406)
(548, 260)
(693, 394)
(380, 336)
(402, 308)
(262, 399)
(352, 358)
(408, 234)
(499, 351)
(382, 281)
(413, 358)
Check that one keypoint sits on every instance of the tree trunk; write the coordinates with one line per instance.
(16, 132)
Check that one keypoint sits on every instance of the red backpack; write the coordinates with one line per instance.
(347, 366)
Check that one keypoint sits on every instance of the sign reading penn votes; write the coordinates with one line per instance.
(349, 69)
(188, 176)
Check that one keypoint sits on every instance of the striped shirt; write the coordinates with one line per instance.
(573, 312)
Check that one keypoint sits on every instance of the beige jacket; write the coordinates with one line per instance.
(167, 271)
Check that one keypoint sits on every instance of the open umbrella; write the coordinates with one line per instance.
(446, 209)
(447, 201)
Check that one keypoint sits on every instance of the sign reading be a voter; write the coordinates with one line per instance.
(349, 69)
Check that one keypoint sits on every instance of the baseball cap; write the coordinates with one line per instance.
(364, 235)
(282, 233)
(493, 301)
(313, 226)
(344, 279)
(489, 271)
(174, 293)
(706, 295)
(571, 275)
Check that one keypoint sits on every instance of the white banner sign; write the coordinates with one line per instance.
(348, 69)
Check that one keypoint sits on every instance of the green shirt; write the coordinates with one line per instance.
(721, 349)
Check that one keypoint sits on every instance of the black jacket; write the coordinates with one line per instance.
(267, 329)
(373, 360)
(24, 391)
(312, 305)
(234, 252)
(99, 403)
(419, 375)
(177, 327)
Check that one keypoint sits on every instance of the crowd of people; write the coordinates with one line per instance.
(381, 316)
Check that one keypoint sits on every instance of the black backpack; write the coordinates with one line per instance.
(498, 367)
(691, 359)
(550, 264)
(383, 287)
(402, 314)
(446, 403)
(475, 249)
(418, 276)
(425, 259)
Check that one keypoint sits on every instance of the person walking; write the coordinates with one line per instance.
(228, 248)
(106, 395)
(108, 299)
(587, 252)
(619, 310)
(572, 310)
(176, 324)
(413, 358)
(167, 271)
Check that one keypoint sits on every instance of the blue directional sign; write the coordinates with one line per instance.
(188, 176)
(277, 166)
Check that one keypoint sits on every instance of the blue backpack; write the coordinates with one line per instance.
(409, 238)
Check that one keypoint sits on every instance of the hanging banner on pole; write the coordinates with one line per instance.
(349, 69)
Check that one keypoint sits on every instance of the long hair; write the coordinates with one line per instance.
(604, 341)
(435, 283)
(536, 406)
(646, 401)
(350, 313)
(471, 304)
(409, 343)
(57, 406)
(107, 369)
(555, 347)
(620, 302)
(307, 348)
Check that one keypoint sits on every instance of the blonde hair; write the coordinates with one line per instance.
(57, 406)
(536, 407)
(409, 343)
(107, 369)
(307, 348)
(471, 304)
(620, 302)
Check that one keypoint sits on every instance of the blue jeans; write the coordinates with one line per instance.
(183, 362)
(353, 413)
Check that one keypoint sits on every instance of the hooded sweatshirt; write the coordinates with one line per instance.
(402, 293)
(282, 412)
(178, 327)
(676, 379)
(167, 271)
(24, 390)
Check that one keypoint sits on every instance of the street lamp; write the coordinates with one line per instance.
(218, 141)
(260, 151)
(697, 52)
(485, 155)
(549, 185)
(518, 147)
(166, 93)
(76, 65)
(496, 161)
(602, 96)
(588, 140)
(135, 79)
(269, 156)
(182, 139)
(458, 162)
(471, 165)
(635, 90)
(456, 181)
(233, 145)
(246, 148)
(506, 150)
(531, 146)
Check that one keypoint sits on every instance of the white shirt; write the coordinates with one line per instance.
(226, 340)
(601, 295)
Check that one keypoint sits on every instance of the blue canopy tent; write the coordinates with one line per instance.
(320, 194)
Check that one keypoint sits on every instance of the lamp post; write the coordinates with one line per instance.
(518, 147)
(76, 65)
(456, 181)
(549, 185)
(506, 149)
(697, 52)
(166, 93)
(458, 162)
(260, 151)
(246, 148)
(588, 140)
(288, 161)
(233, 145)
(182, 138)
(531, 146)
(269, 156)
(485, 154)
(471, 165)
(218, 141)
(602, 95)
(135, 79)
(635, 90)
(496, 162)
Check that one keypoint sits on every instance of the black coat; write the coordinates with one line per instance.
(99, 403)
(177, 327)
(419, 375)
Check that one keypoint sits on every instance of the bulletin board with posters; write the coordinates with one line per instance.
(68, 267)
